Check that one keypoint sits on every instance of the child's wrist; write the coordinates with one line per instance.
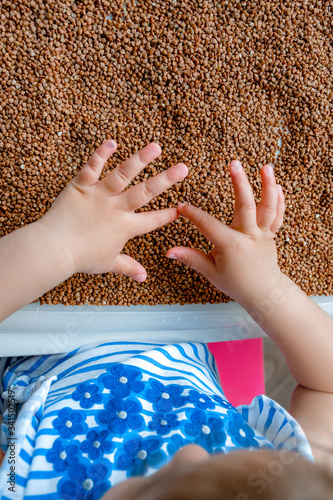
(263, 301)
(59, 253)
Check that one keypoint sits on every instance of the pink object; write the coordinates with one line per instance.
(241, 368)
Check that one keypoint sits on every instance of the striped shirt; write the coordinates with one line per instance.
(76, 424)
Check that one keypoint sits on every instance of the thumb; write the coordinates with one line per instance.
(193, 258)
(129, 267)
(213, 229)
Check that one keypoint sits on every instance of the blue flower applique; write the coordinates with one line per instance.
(121, 415)
(63, 456)
(96, 444)
(165, 396)
(122, 380)
(208, 431)
(240, 432)
(200, 400)
(223, 402)
(163, 423)
(140, 453)
(70, 422)
(176, 442)
(87, 394)
(87, 482)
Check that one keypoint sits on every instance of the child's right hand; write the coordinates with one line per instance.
(243, 264)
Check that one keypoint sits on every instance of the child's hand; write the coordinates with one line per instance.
(92, 219)
(243, 264)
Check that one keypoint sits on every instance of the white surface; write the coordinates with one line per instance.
(46, 329)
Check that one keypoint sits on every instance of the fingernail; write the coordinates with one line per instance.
(279, 189)
(269, 170)
(182, 169)
(181, 205)
(141, 277)
(236, 166)
(172, 256)
(154, 149)
(111, 144)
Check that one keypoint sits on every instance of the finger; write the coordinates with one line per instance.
(280, 209)
(143, 193)
(90, 173)
(148, 221)
(266, 210)
(214, 230)
(120, 177)
(124, 264)
(193, 258)
(245, 205)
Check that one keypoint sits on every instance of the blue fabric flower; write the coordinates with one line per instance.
(223, 402)
(69, 423)
(87, 394)
(176, 442)
(207, 430)
(163, 423)
(240, 432)
(122, 381)
(165, 396)
(96, 444)
(62, 456)
(121, 415)
(201, 400)
(87, 482)
(140, 453)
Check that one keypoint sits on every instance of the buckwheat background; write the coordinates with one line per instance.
(209, 81)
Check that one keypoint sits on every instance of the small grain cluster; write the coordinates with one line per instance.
(209, 81)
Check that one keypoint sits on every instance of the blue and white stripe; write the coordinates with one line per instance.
(43, 385)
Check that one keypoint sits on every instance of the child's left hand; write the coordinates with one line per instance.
(94, 218)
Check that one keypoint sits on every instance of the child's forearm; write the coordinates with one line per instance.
(32, 261)
(301, 329)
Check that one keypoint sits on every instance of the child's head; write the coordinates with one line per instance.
(193, 474)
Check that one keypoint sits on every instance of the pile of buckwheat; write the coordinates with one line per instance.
(210, 81)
